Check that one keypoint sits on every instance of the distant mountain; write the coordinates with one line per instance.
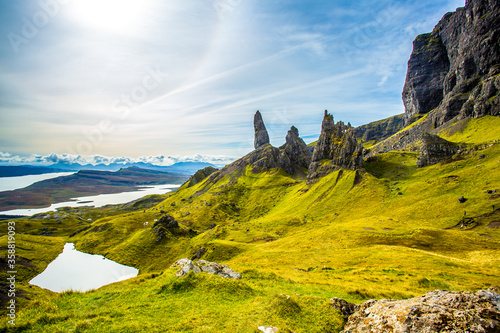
(16, 171)
(184, 168)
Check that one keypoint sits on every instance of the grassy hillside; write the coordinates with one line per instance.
(391, 230)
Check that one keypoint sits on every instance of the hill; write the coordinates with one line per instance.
(419, 211)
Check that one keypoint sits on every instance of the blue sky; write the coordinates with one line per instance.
(180, 78)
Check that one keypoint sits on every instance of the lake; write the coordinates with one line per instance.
(14, 183)
(79, 271)
(97, 200)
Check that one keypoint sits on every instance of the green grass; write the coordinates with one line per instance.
(391, 230)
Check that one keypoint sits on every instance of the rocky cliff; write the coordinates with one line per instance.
(337, 147)
(294, 156)
(381, 129)
(456, 67)
(453, 73)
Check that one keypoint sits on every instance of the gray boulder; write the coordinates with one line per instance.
(199, 266)
(436, 311)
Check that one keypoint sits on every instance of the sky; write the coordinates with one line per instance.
(181, 80)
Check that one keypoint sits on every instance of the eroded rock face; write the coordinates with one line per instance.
(435, 149)
(427, 70)
(261, 136)
(454, 69)
(338, 144)
(436, 311)
(382, 129)
(165, 224)
(185, 266)
(295, 155)
(200, 175)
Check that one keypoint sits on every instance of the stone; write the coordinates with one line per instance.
(268, 329)
(436, 311)
(199, 266)
(345, 308)
(199, 253)
(261, 136)
(294, 156)
(163, 226)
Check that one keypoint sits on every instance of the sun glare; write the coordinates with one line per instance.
(109, 15)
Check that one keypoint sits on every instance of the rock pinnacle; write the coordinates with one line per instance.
(261, 136)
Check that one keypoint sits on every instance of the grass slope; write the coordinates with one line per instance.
(390, 231)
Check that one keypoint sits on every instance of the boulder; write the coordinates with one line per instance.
(163, 226)
(199, 266)
(436, 311)
(345, 308)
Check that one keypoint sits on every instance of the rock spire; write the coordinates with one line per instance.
(338, 144)
(261, 136)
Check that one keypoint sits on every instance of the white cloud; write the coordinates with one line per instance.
(159, 160)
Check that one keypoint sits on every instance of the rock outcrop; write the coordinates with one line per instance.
(185, 266)
(434, 149)
(163, 226)
(382, 129)
(261, 136)
(453, 74)
(455, 68)
(295, 155)
(200, 175)
(337, 144)
(436, 311)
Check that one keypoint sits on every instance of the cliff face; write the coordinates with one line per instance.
(382, 129)
(338, 145)
(455, 68)
(453, 74)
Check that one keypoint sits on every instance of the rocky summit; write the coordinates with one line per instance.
(261, 136)
(453, 74)
(337, 147)
(455, 67)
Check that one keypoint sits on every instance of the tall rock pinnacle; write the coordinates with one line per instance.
(261, 136)
(337, 143)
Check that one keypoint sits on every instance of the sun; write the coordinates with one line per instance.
(109, 15)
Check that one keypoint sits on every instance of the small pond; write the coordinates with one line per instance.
(78, 271)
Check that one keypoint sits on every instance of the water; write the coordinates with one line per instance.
(14, 183)
(79, 271)
(97, 200)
